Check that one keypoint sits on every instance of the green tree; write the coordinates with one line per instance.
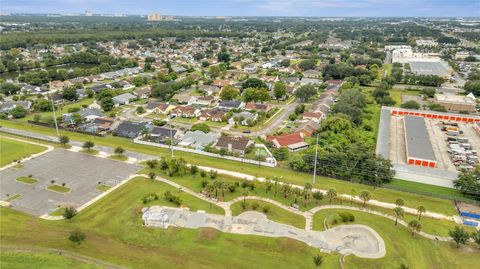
(200, 127)
(420, 209)
(70, 93)
(64, 140)
(107, 104)
(472, 86)
(468, 182)
(77, 236)
(365, 196)
(459, 235)
(399, 212)
(229, 93)
(414, 226)
(88, 145)
(119, 151)
(307, 64)
(305, 92)
(411, 105)
(331, 194)
(476, 237)
(317, 260)
(18, 112)
(69, 212)
(399, 202)
(279, 90)
(253, 83)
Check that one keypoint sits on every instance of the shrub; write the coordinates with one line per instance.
(346, 216)
(149, 198)
(232, 187)
(204, 183)
(244, 205)
(69, 212)
(213, 174)
(172, 198)
(255, 205)
(77, 236)
(203, 173)
(193, 169)
(265, 209)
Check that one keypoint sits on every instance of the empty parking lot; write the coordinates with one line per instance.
(80, 172)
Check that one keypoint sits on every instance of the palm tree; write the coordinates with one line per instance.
(223, 187)
(245, 194)
(268, 186)
(365, 196)
(306, 193)
(398, 213)
(209, 189)
(399, 202)
(415, 226)
(352, 194)
(216, 185)
(275, 179)
(331, 193)
(421, 209)
(296, 192)
(286, 188)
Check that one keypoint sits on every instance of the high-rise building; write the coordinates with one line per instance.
(154, 17)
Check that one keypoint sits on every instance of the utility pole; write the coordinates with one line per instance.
(258, 156)
(171, 141)
(54, 116)
(315, 166)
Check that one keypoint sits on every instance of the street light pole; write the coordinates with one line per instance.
(54, 116)
(171, 141)
(315, 166)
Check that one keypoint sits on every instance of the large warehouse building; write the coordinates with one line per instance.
(417, 141)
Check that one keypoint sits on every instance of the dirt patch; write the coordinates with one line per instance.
(206, 234)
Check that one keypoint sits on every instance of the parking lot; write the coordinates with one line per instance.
(80, 172)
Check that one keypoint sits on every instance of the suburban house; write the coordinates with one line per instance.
(216, 115)
(103, 123)
(143, 92)
(130, 129)
(90, 114)
(258, 107)
(197, 139)
(163, 134)
(313, 115)
(235, 144)
(242, 118)
(311, 74)
(9, 105)
(290, 80)
(100, 87)
(185, 112)
(221, 83)
(159, 107)
(293, 142)
(231, 104)
(123, 99)
(250, 68)
(204, 100)
(184, 98)
(308, 128)
(306, 81)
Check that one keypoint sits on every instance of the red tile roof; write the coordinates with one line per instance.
(286, 139)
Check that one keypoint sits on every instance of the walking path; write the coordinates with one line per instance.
(346, 196)
(308, 215)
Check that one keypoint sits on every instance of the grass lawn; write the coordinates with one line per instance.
(62, 109)
(89, 151)
(12, 150)
(103, 188)
(118, 157)
(40, 260)
(27, 180)
(156, 116)
(286, 174)
(114, 233)
(58, 188)
(215, 124)
(396, 95)
(415, 252)
(421, 188)
(58, 212)
(185, 120)
(274, 213)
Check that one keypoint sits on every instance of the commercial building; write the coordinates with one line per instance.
(154, 17)
(417, 142)
(437, 68)
(434, 114)
(456, 102)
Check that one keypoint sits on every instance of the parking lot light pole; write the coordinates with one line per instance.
(54, 116)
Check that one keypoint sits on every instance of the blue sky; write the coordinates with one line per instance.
(324, 8)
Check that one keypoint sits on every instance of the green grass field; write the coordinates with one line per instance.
(24, 260)
(12, 150)
(103, 188)
(27, 180)
(396, 95)
(415, 252)
(58, 188)
(274, 213)
(115, 234)
(286, 174)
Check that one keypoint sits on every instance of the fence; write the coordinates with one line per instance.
(196, 151)
(66, 128)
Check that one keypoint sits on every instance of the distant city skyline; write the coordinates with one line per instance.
(312, 8)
